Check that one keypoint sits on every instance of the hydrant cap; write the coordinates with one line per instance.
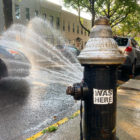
(101, 48)
(102, 21)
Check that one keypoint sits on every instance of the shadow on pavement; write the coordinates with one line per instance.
(13, 90)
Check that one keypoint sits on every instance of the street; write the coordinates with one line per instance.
(29, 105)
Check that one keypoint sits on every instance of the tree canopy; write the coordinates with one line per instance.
(129, 27)
(120, 12)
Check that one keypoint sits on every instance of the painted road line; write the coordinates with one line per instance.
(64, 120)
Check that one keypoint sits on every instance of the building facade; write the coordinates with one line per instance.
(66, 22)
(24, 10)
(73, 31)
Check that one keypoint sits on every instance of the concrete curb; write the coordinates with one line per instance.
(57, 124)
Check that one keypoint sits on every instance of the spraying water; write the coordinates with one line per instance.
(34, 89)
(36, 41)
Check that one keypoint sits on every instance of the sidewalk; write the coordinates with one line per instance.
(128, 116)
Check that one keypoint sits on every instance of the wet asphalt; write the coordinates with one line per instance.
(28, 106)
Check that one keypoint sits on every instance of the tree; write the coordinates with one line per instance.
(129, 27)
(116, 10)
(7, 10)
(88, 5)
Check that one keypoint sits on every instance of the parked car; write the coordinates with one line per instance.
(130, 48)
(68, 48)
(69, 51)
(13, 62)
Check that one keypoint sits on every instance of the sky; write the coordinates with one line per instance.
(56, 1)
(60, 2)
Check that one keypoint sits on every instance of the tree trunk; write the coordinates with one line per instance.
(93, 18)
(79, 15)
(7, 10)
(92, 3)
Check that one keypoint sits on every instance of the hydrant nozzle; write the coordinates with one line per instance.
(78, 90)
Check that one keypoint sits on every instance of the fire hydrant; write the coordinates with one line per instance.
(100, 59)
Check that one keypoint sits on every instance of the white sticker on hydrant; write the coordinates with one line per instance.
(102, 96)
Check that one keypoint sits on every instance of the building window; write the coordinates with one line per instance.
(77, 29)
(44, 16)
(68, 27)
(51, 20)
(63, 25)
(81, 31)
(36, 13)
(73, 27)
(27, 13)
(17, 11)
(58, 22)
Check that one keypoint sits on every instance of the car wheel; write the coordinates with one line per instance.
(3, 69)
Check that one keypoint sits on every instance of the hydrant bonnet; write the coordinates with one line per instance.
(101, 48)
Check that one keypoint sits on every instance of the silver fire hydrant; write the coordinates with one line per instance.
(100, 59)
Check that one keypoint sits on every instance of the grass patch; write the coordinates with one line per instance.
(50, 129)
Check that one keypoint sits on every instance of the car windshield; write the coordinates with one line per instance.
(121, 41)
